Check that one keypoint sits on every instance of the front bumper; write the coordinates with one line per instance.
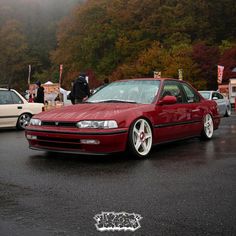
(72, 141)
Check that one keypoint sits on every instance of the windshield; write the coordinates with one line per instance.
(206, 95)
(132, 91)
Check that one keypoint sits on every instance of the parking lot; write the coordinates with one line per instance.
(184, 188)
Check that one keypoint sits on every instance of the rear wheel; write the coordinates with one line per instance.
(23, 121)
(140, 138)
(208, 128)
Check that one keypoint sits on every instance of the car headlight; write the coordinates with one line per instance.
(97, 124)
(35, 122)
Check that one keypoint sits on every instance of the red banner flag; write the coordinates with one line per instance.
(220, 74)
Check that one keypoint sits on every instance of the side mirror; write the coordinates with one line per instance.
(215, 98)
(168, 100)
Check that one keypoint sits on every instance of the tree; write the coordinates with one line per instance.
(228, 60)
(206, 57)
(13, 49)
(38, 20)
(117, 38)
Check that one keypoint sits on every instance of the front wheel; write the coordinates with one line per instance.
(23, 121)
(208, 127)
(140, 138)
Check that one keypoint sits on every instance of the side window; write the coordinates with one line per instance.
(191, 95)
(2, 97)
(172, 88)
(16, 99)
(5, 97)
(220, 96)
(215, 95)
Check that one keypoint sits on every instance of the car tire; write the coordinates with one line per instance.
(228, 111)
(140, 138)
(208, 127)
(23, 121)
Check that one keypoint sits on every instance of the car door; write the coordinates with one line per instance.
(221, 103)
(172, 121)
(10, 108)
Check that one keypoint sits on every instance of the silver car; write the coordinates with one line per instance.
(222, 102)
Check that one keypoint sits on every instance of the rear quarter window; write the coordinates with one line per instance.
(15, 98)
(191, 95)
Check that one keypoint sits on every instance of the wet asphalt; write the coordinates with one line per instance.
(184, 188)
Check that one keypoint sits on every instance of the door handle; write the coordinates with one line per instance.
(19, 107)
(196, 110)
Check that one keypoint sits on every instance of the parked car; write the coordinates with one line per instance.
(222, 102)
(129, 115)
(15, 111)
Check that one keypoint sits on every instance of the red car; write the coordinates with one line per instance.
(129, 114)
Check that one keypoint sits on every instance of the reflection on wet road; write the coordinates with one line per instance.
(184, 188)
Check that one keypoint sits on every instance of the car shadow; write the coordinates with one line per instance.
(191, 152)
(7, 130)
(83, 165)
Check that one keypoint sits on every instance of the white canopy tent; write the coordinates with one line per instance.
(52, 96)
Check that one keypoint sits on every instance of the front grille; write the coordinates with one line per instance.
(58, 124)
(63, 140)
(61, 146)
(58, 143)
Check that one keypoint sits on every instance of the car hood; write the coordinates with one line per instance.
(88, 111)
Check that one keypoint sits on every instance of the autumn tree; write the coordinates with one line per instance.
(117, 38)
(38, 20)
(206, 57)
(13, 50)
(228, 60)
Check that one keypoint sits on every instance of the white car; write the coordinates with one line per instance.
(222, 102)
(15, 111)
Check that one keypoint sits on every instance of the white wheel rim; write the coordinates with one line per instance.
(142, 137)
(208, 126)
(24, 120)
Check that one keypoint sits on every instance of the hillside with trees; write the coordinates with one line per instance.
(27, 35)
(117, 39)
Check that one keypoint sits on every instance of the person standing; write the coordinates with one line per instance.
(31, 99)
(80, 89)
(40, 93)
(71, 96)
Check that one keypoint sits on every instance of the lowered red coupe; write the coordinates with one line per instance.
(129, 115)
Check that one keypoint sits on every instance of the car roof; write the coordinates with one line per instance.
(148, 79)
(6, 89)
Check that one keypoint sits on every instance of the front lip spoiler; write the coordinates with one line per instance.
(71, 152)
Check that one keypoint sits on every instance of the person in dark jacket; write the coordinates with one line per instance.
(71, 96)
(80, 89)
(40, 93)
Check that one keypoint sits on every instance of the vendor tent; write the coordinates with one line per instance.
(52, 91)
